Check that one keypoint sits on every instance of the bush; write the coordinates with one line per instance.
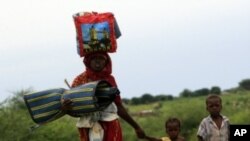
(16, 122)
(245, 84)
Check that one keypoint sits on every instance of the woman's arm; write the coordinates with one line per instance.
(124, 115)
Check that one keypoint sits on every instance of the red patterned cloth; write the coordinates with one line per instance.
(112, 129)
(96, 32)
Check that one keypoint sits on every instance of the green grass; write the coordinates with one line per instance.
(15, 119)
(190, 111)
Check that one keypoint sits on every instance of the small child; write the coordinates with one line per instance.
(215, 127)
(173, 127)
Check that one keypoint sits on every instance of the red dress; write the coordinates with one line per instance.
(112, 129)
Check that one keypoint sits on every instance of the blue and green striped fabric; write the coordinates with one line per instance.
(45, 106)
(91, 97)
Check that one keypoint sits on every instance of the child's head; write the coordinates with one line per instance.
(173, 127)
(213, 104)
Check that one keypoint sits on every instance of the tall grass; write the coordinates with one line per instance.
(236, 106)
(15, 121)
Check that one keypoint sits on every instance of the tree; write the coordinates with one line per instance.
(201, 92)
(17, 100)
(125, 100)
(163, 97)
(245, 84)
(147, 98)
(186, 93)
(135, 101)
(215, 90)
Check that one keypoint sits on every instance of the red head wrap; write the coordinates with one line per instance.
(105, 74)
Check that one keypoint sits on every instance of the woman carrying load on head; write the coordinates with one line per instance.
(99, 67)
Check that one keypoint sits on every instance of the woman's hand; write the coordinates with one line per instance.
(152, 138)
(140, 133)
(66, 104)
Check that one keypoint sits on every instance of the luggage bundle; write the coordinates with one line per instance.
(45, 106)
(96, 32)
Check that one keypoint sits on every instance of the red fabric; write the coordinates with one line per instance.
(83, 134)
(94, 18)
(112, 129)
(105, 73)
(89, 75)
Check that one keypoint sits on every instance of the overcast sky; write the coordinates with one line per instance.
(166, 45)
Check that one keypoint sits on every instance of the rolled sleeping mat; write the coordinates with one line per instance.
(91, 97)
(44, 106)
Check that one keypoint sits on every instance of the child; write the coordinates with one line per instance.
(215, 127)
(173, 127)
(99, 67)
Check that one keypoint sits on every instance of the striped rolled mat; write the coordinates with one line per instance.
(91, 97)
(44, 106)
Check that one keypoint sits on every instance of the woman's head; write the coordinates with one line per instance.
(98, 65)
(96, 62)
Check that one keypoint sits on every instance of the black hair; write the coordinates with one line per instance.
(213, 96)
(173, 120)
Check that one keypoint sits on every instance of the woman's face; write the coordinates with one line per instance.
(98, 63)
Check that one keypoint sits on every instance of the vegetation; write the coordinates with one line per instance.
(190, 111)
(245, 84)
(15, 121)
